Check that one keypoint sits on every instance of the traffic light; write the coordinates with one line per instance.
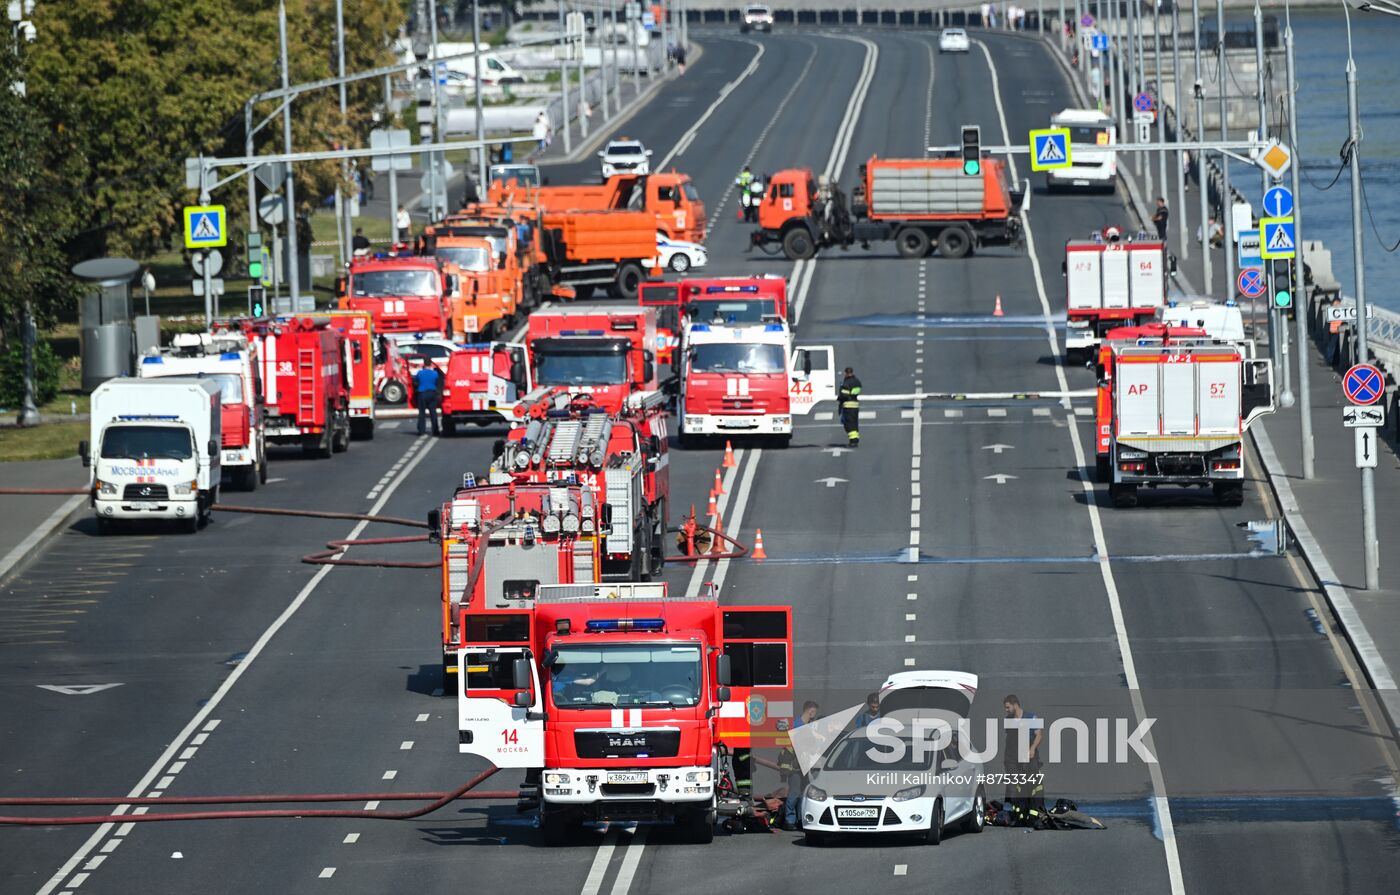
(1281, 283)
(972, 150)
(257, 298)
(255, 256)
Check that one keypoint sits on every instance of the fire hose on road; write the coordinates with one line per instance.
(439, 800)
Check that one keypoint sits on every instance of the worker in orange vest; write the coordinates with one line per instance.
(1334, 337)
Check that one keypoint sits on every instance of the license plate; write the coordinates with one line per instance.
(853, 813)
(143, 504)
(625, 777)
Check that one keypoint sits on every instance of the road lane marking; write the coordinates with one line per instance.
(684, 141)
(390, 775)
(593, 884)
(1161, 806)
(327, 872)
(630, 859)
(405, 745)
(350, 839)
(201, 717)
(421, 718)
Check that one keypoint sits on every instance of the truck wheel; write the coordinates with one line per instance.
(1103, 472)
(362, 429)
(191, 525)
(449, 425)
(628, 282)
(393, 392)
(245, 478)
(798, 245)
(954, 243)
(105, 526)
(318, 446)
(658, 545)
(1229, 494)
(1124, 496)
(555, 827)
(699, 827)
(583, 293)
(340, 437)
(911, 242)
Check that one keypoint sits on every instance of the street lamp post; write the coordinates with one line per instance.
(1202, 184)
(1304, 372)
(564, 82)
(293, 267)
(480, 116)
(1227, 216)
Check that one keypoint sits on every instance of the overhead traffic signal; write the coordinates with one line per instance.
(1281, 283)
(255, 256)
(972, 150)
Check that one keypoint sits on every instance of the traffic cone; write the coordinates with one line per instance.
(718, 489)
(713, 509)
(997, 312)
(758, 552)
(718, 529)
(729, 455)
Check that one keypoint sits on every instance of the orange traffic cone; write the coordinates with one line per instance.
(718, 489)
(712, 508)
(729, 455)
(718, 530)
(758, 552)
(997, 311)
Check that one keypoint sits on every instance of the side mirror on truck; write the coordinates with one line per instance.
(648, 364)
(85, 453)
(212, 447)
(435, 525)
(520, 681)
(340, 287)
(724, 673)
(806, 363)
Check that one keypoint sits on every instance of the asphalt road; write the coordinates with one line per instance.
(243, 671)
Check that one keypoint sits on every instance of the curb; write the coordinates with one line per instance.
(610, 127)
(1353, 627)
(58, 520)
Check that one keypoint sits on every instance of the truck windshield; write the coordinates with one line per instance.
(230, 387)
(752, 310)
(634, 674)
(731, 357)
(146, 443)
(1084, 135)
(376, 283)
(604, 362)
(473, 258)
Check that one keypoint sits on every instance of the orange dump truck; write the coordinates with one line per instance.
(670, 197)
(588, 249)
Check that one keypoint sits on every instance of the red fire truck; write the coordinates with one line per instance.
(405, 293)
(622, 458)
(1179, 407)
(1110, 284)
(306, 384)
(761, 299)
(358, 327)
(624, 704)
(231, 360)
(599, 349)
(484, 384)
(499, 543)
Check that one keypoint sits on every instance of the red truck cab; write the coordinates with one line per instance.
(484, 384)
(403, 293)
(604, 350)
(727, 300)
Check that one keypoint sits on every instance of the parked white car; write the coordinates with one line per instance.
(624, 156)
(435, 349)
(953, 40)
(861, 785)
(678, 256)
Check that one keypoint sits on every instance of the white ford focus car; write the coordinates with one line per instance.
(953, 40)
(871, 782)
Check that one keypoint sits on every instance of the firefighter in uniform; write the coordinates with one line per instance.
(849, 398)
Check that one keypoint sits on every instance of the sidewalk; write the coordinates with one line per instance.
(1324, 513)
(29, 519)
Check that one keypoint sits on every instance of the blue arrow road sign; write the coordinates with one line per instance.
(1363, 384)
(1278, 202)
(1251, 282)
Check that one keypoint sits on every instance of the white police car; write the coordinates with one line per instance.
(678, 256)
(625, 156)
(882, 779)
(953, 40)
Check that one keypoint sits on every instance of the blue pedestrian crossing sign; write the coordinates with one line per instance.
(1277, 238)
(205, 227)
(1050, 149)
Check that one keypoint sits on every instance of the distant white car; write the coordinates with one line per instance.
(625, 156)
(953, 40)
(861, 786)
(435, 349)
(678, 256)
(757, 17)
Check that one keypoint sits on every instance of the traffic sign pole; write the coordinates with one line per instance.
(1368, 475)
(1304, 373)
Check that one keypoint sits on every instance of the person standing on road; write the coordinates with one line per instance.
(404, 223)
(541, 131)
(680, 57)
(1334, 336)
(792, 769)
(1159, 218)
(427, 393)
(1026, 798)
(871, 712)
(848, 396)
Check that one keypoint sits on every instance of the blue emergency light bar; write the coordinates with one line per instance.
(700, 327)
(773, 328)
(152, 360)
(580, 332)
(229, 355)
(127, 418)
(713, 289)
(601, 625)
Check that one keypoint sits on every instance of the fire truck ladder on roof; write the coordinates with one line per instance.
(306, 384)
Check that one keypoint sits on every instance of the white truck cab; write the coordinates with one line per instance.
(757, 17)
(1094, 161)
(155, 450)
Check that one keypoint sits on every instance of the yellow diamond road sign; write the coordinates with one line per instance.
(205, 227)
(1050, 149)
(1275, 159)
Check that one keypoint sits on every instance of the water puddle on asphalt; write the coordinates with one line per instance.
(951, 321)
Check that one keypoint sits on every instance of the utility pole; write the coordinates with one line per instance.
(564, 79)
(393, 171)
(1304, 372)
(480, 117)
(1227, 202)
(1278, 333)
(1368, 475)
(1183, 236)
(582, 79)
(431, 160)
(1062, 24)
(616, 83)
(293, 271)
(603, 64)
(1161, 102)
(1202, 185)
(342, 210)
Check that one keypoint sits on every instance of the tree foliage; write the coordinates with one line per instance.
(134, 87)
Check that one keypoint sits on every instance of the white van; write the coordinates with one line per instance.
(155, 450)
(494, 70)
(1092, 136)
